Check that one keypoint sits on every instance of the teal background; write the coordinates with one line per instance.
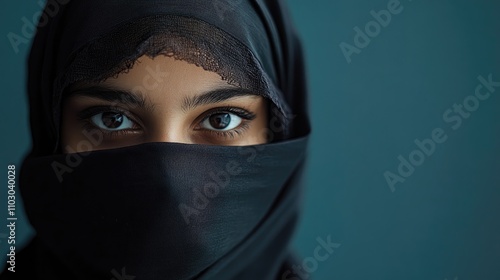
(443, 221)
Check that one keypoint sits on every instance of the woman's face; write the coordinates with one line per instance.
(161, 100)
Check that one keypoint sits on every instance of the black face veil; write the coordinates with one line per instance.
(165, 210)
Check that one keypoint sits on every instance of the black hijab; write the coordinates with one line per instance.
(164, 210)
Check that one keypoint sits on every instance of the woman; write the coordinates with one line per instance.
(168, 141)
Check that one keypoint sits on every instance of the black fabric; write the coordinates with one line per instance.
(166, 219)
(164, 210)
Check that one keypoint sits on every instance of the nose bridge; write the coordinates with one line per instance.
(169, 129)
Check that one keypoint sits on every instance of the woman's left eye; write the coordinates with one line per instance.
(112, 121)
(221, 121)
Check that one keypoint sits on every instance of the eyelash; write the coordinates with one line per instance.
(245, 115)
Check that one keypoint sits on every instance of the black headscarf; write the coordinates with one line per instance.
(164, 210)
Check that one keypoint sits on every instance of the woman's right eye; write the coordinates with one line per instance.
(112, 121)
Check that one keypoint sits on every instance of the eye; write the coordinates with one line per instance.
(221, 121)
(112, 121)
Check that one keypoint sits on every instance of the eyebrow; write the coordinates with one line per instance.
(112, 95)
(215, 96)
(132, 99)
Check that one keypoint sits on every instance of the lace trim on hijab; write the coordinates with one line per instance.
(182, 38)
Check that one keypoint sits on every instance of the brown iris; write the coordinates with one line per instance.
(220, 121)
(112, 119)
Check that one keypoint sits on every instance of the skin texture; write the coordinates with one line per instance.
(161, 100)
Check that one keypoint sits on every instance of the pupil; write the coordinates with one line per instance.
(220, 121)
(112, 120)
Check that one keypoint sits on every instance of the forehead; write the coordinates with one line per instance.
(164, 76)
